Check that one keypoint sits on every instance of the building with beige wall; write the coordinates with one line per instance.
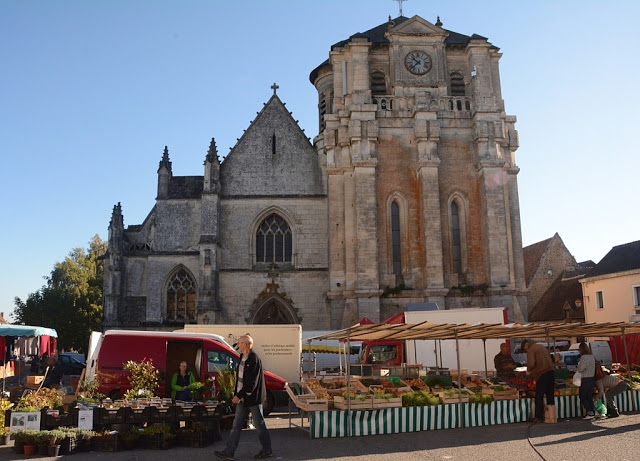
(611, 292)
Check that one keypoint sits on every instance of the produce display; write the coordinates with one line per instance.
(382, 392)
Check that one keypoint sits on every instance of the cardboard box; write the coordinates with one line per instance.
(550, 414)
(34, 380)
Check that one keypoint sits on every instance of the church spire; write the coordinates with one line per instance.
(117, 220)
(212, 154)
(212, 169)
(165, 160)
(164, 174)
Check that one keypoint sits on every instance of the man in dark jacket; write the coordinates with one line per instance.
(249, 394)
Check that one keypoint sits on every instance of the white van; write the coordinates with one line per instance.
(600, 350)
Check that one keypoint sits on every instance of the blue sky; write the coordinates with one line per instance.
(92, 91)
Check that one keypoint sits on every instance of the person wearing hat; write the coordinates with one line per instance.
(540, 368)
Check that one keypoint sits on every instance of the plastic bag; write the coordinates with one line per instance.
(577, 379)
(601, 408)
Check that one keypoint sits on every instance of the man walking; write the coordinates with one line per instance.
(540, 367)
(250, 392)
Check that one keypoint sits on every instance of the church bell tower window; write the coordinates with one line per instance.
(457, 85)
(378, 84)
(456, 241)
(181, 296)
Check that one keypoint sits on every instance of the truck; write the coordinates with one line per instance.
(278, 346)
(437, 353)
(206, 355)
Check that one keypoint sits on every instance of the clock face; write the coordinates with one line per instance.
(418, 62)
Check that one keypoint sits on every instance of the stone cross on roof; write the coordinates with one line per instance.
(274, 87)
(400, 4)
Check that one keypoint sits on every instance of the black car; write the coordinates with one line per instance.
(72, 363)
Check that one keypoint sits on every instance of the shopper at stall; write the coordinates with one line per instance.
(54, 375)
(540, 368)
(180, 383)
(250, 392)
(609, 387)
(587, 370)
(504, 363)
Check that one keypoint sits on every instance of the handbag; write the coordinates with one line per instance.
(599, 374)
(577, 379)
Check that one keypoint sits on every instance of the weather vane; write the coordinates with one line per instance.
(400, 4)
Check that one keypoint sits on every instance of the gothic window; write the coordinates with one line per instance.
(457, 84)
(274, 242)
(456, 246)
(396, 249)
(378, 84)
(181, 296)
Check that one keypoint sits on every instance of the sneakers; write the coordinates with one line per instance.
(263, 455)
(223, 455)
(589, 416)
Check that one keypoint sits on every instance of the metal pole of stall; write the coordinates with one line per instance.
(626, 354)
(484, 345)
(348, 391)
(459, 381)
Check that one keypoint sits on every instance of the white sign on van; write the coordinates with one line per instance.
(278, 346)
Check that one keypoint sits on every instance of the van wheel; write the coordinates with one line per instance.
(270, 403)
(114, 395)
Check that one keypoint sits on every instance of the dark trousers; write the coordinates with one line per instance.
(544, 387)
(586, 394)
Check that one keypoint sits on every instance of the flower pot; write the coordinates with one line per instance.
(18, 448)
(4, 439)
(30, 449)
(54, 450)
(43, 450)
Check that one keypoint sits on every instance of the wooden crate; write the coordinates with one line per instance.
(509, 394)
(456, 399)
(313, 405)
(394, 402)
(34, 380)
(342, 403)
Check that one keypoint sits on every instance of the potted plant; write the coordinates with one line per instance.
(30, 441)
(42, 441)
(143, 379)
(4, 435)
(196, 389)
(19, 437)
(130, 437)
(54, 439)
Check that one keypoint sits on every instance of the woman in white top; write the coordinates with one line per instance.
(587, 368)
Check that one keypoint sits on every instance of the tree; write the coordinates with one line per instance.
(71, 300)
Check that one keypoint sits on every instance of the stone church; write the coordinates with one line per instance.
(408, 194)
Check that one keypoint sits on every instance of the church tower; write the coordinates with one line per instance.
(423, 200)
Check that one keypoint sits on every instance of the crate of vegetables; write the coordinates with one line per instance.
(386, 400)
(455, 396)
(356, 401)
(505, 393)
(417, 384)
(394, 385)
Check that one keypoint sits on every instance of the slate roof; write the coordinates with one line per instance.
(186, 186)
(376, 35)
(532, 255)
(565, 289)
(620, 258)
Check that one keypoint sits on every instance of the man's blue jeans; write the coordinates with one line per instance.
(242, 412)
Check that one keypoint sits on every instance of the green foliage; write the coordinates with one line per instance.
(226, 385)
(40, 399)
(419, 399)
(143, 377)
(468, 290)
(71, 300)
(388, 291)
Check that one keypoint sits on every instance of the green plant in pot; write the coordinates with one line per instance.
(226, 387)
(4, 435)
(143, 379)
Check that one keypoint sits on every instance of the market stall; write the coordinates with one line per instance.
(357, 414)
(23, 340)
